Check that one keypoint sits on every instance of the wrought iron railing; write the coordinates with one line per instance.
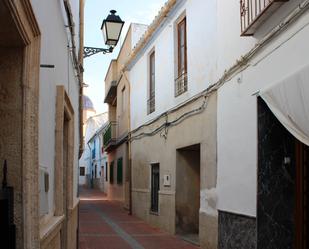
(181, 84)
(109, 134)
(151, 103)
(251, 12)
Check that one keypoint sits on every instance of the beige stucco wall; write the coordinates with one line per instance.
(122, 107)
(198, 129)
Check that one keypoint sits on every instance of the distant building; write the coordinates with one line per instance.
(98, 161)
(93, 157)
(88, 111)
(115, 137)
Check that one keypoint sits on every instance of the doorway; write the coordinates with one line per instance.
(282, 185)
(11, 123)
(19, 95)
(188, 192)
(302, 164)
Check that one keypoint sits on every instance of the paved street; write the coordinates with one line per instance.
(104, 224)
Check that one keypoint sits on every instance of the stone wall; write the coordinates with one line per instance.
(236, 231)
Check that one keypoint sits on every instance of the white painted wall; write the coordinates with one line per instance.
(237, 108)
(201, 66)
(54, 51)
(214, 45)
(138, 30)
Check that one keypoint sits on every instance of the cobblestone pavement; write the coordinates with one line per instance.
(104, 224)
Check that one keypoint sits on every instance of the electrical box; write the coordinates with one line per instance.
(167, 180)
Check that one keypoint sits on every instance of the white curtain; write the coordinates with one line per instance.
(289, 101)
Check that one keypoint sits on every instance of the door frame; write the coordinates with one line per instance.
(28, 29)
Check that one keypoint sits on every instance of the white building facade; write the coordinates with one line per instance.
(41, 61)
(210, 114)
(254, 150)
(59, 86)
(173, 122)
(97, 168)
(94, 157)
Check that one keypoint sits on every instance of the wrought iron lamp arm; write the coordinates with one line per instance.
(88, 51)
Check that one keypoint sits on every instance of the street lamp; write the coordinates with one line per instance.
(111, 29)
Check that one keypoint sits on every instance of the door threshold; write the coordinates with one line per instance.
(191, 238)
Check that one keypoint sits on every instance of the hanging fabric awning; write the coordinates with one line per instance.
(289, 102)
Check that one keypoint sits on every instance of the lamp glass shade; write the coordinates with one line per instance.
(111, 29)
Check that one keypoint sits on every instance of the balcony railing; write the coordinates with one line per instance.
(109, 136)
(254, 12)
(151, 104)
(181, 84)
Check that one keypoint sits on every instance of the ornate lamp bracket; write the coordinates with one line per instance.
(89, 51)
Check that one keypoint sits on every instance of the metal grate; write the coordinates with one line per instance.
(181, 84)
(109, 134)
(155, 187)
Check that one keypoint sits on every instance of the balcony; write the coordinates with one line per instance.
(254, 12)
(111, 83)
(111, 93)
(181, 84)
(151, 103)
(109, 136)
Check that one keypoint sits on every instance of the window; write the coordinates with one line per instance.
(111, 172)
(155, 187)
(181, 79)
(82, 171)
(123, 99)
(151, 99)
(106, 176)
(119, 171)
(93, 150)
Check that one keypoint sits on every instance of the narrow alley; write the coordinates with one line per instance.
(172, 124)
(104, 224)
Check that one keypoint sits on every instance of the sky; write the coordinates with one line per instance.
(137, 11)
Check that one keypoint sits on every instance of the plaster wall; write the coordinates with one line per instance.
(54, 51)
(201, 23)
(122, 107)
(237, 108)
(198, 129)
(137, 30)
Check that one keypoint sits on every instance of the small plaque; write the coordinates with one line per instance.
(167, 180)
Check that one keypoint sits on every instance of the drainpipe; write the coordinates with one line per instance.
(81, 78)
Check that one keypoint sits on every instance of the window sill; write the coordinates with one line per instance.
(154, 213)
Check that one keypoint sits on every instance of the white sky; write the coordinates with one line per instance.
(138, 11)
